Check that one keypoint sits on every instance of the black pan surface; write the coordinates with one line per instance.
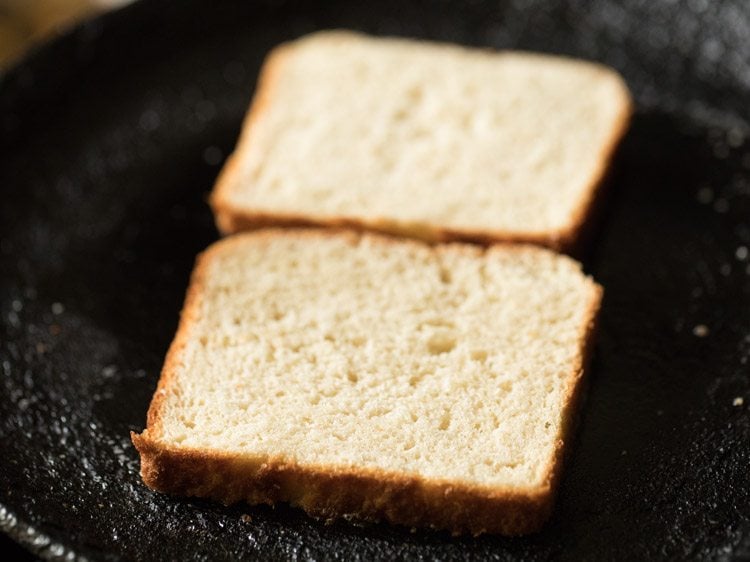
(111, 138)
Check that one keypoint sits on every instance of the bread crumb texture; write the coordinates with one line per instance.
(348, 354)
(415, 137)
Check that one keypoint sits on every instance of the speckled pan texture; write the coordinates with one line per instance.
(110, 140)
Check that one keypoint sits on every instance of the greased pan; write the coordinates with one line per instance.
(111, 138)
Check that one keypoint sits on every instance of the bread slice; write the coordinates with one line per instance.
(426, 140)
(356, 375)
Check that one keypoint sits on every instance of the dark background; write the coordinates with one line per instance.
(110, 141)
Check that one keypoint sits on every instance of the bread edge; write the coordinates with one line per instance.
(230, 220)
(330, 492)
(224, 214)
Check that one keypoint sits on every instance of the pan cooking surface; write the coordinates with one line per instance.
(111, 139)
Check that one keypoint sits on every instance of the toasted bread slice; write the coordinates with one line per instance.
(360, 375)
(426, 140)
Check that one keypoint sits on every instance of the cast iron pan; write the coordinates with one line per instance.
(111, 140)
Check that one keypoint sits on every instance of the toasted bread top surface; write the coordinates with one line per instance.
(415, 136)
(357, 351)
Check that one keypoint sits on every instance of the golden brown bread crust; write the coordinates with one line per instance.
(230, 219)
(329, 491)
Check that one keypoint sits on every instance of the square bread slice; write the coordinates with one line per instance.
(357, 375)
(426, 140)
